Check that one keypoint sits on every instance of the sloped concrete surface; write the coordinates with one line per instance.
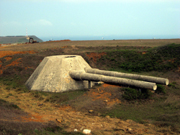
(52, 75)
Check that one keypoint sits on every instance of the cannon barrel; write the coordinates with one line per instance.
(78, 75)
(158, 80)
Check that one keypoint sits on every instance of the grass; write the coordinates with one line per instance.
(8, 105)
(57, 98)
(56, 130)
(9, 109)
(173, 84)
(32, 128)
(133, 94)
(13, 83)
(160, 108)
(104, 43)
(163, 58)
(160, 89)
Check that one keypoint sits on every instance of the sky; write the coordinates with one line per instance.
(90, 18)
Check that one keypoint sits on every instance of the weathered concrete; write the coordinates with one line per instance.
(52, 75)
(78, 75)
(158, 80)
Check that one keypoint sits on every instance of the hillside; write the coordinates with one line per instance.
(104, 109)
(17, 39)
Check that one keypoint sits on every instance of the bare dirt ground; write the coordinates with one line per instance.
(76, 116)
(69, 118)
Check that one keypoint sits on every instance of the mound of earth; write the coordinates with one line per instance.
(96, 99)
(38, 114)
(77, 114)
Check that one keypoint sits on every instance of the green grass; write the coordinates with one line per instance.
(161, 109)
(133, 94)
(14, 83)
(173, 84)
(163, 58)
(156, 114)
(160, 89)
(57, 98)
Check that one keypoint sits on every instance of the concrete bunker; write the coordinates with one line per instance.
(61, 73)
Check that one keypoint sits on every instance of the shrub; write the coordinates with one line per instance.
(133, 94)
(160, 89)
(173, 85)
(162, 58)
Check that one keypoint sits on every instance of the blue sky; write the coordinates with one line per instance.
(68, 18)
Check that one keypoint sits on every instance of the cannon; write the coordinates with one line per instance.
(61, 73)
(112, 80)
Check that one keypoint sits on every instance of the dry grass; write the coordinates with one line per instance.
(43, 108)
(96, 43)
(67, 117)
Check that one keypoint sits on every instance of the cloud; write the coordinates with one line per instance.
(41, 22)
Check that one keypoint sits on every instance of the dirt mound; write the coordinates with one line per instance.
(104, 96)
(107, 93)
(38, 112)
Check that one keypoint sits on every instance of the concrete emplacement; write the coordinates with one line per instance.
(61, 73)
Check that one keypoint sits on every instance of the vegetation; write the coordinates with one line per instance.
(160, 109)
(133, 94)
(143, 106)
(5, 104)
(163, 58)
(160, 89)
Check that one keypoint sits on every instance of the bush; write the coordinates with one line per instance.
(160, 89)
(133, 94)
(173, 85)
